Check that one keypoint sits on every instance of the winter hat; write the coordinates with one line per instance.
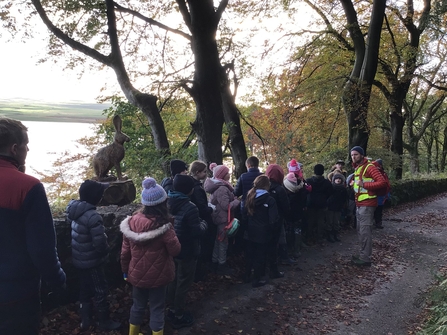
(219, 171)
(319, 169)
(183, 183)
(91, 191)
(338, 176)
(359, 150)
(340, 161)
(178, 166)
(152, 194)
(293, 166)
(275, 173)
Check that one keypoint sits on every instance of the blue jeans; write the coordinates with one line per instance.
(156, 298)
(21, 318)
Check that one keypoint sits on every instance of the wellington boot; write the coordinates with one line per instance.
(105, 323)
(134, 329)
(335, 235)
(86, 315)
(160, 332)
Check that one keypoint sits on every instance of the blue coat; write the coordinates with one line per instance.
(89, 245)
(187, 224)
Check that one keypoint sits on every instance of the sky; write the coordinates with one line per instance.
(23, 78)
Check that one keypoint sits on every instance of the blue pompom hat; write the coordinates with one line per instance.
(152, 194)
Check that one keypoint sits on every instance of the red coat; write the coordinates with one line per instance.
(147, 252)
(378, 183)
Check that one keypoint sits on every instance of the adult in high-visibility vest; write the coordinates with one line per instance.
(367, 178)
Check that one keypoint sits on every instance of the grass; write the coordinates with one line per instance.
(435, 321)
(28, 110)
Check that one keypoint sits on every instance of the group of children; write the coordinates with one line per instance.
(180, 229)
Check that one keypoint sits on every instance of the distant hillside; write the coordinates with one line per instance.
(28, 110)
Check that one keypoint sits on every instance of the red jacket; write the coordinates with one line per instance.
(378, 183)
(147, 252)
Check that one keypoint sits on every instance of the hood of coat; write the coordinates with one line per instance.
(140, 229)
(261, 198)
(77, 208)
(211, 185)
(275, 173)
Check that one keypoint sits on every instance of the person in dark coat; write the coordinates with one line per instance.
(336, 203)
(198, 170)
(176, 166)
(243, 185)
(262, 214)
(278, 241)
(317, 203)
(189, 230)
(27, 237)
(89, 252)
(149, 245)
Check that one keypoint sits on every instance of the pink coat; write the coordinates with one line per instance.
(147, 252)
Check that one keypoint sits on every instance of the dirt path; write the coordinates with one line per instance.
(330, 296)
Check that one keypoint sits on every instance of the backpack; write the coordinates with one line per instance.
(385, 190)
(381, 192)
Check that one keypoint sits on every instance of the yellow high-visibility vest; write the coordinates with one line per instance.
(362, 193)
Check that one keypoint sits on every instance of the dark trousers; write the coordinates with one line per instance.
(378, 214)
(272, 252)
(93, 284)
(178, 289)
(21, 318)
(256, 256)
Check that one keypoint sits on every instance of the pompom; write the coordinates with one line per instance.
(212, 166)
(149, 183)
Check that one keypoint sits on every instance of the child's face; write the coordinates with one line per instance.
(337, 181)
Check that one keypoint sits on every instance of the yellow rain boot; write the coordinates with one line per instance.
(160, 332)
(134, 329)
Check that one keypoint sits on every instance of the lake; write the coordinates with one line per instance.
(49, 140)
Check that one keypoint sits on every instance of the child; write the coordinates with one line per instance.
(89, 252)
(262, 215)
(198, 171)
(149, 245)
(293, 220)
(243, 185)
(223, 198)
(278, 241)
(335, 205)
(189, 230)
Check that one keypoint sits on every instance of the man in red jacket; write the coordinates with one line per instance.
(367, 178)
(27, 237)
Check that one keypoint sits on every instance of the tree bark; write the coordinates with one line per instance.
(357, 90)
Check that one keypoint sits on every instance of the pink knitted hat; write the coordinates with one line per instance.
(293, 166)
(219, 171)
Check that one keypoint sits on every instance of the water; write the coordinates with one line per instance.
(49, 140)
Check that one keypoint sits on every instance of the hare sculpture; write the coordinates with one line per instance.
(111, 155)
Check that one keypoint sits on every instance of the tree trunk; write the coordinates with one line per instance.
(397, 122)
(233, 124)
(414, 157)
(206, 87)
(444, 151)
(357, 91)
